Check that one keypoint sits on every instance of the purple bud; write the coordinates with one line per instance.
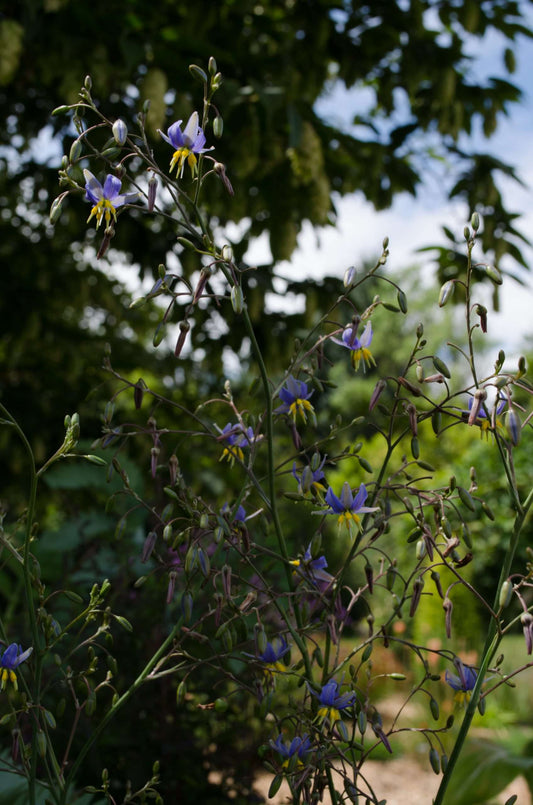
(149, 545)
(448, 607)
(527, 623)
(381, 385)
(171, 585)
(184, 329)
(513, 427)
(154, 452)
(152, 192)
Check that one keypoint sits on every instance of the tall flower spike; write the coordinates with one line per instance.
(359, 347)
(11, 658)
(348, 506)
(295, 396)
(188, 143)
(105, 198)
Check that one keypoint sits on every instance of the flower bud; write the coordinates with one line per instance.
(481, 311)
(506, 593)
(380, 387)
(120, 131)
(218, 127)
(184, 328)
(237, 299)
(148, 547)
(55, 209)
(198, 73)
(513, 427)
(349, 276)
(418, 586)
(474, 221)
(152, 193)
(212, 66)
(448, 608)
(446, 292)
(441, 367)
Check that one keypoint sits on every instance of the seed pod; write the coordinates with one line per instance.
(466, 498)
(441, 367)
(434, 759)
(402, 301)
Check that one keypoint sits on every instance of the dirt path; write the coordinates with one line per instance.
(400, 782)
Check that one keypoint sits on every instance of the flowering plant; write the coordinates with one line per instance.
(224, 579)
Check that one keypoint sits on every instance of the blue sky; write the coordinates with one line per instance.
(413, 223)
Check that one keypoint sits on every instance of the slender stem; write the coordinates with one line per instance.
(111, 713)
(491, 646)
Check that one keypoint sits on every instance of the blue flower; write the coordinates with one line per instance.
(359, 347)
(236, 437)
(331, 704)
(238, 517)
(348, 506)
(298, 748)
(11, 658)
(273, 654)
(463, 682)
(481, 419)
(107, 198)
(295, 397)
(188, 144)
(313, 570)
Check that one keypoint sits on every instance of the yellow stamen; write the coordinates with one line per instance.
(300, 408)
(364, 354)
(348, 517)
(231, 453)
(331, 713)
(7, 675)
(104, 208)
(179, 158)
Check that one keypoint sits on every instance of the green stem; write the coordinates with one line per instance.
(28, 591)
(111, 713)
(491, 646)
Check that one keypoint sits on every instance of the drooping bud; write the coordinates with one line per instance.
(527, 624)
(148, 547)
(198, 73)
(513, 427)
(152, 193)
(480, 395)
(448, 607)
(55, 209)
(220, 170)
(184, 328)
(380, 387)
(481, 311)
(494, 274)
(138, 392)
(418, 586)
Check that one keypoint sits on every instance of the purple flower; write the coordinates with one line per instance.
(463, 682)
(188, 144)
(238, 517)
(273, 654)
(348, 506)
(295, 397)
(297, 748)
(359, 347)
(236, 437)
(107, 198)
(313, 570)
(331, 704)
(11, 658)
(480, 418)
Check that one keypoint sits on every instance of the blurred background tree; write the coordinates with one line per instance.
(287, 164)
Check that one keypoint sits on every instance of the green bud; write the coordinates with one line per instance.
(41, 743)
(415, 447)
(75, 150)
(186, 243)
(61, 110)
(237, 299)
(212, 66)
(56, 208)
(198, 73)
(494, 274)
(218, 127)
(180, 693)
(159, 334)
(221, 705)
(474, 221)
(434, 707)
(446, 292)
(506, 593)
(436, 421)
